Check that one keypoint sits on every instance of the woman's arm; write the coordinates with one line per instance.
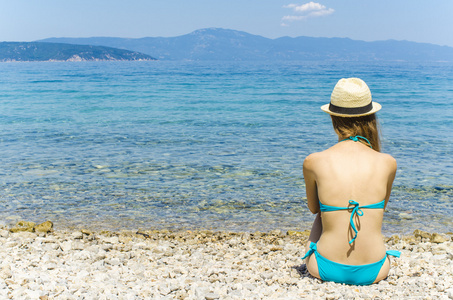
(392, 166)
(310, 183)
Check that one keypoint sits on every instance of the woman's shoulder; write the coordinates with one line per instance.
(312, 160)
(388, 160)
(313, 157)
(322, 155)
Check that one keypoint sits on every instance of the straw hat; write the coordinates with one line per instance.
(351, 97)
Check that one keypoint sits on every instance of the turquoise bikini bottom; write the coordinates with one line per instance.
(349, 274)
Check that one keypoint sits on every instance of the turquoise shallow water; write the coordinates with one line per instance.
(220, 146)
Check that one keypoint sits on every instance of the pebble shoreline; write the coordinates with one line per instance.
(44, 264)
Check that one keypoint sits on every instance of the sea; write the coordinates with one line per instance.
(209, 145)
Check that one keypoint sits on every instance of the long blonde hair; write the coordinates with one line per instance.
(366, 126)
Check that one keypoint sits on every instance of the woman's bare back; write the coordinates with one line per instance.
(349, 171)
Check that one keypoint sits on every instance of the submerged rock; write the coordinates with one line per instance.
(45, 227)
(23, 226)
(298, 233)
(422, 234)
(437, 238)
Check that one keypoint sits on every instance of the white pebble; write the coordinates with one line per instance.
(64, 266)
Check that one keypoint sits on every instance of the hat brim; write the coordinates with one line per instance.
(376, 107)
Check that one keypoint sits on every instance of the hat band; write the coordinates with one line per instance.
(351, 110)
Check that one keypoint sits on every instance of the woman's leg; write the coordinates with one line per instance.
(384, 270)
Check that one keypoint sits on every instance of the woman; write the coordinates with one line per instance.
(348, 187)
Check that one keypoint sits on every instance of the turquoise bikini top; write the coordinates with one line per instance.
(355, 206)
(356, 210)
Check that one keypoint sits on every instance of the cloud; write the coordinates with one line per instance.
(293, 18)
(305, 11)
(306, 7)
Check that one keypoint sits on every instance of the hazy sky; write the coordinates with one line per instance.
(413, 20)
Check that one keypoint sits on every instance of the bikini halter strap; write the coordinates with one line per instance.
(356, 139)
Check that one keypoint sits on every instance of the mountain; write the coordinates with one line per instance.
(36, 51)
(204, 44)
(226, 44)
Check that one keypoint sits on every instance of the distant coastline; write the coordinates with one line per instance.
(75, 59)
(72, 59)
(60, 52)
(217, 44)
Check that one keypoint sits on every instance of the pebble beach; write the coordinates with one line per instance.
(38, 262)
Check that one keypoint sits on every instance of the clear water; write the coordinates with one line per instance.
(189, 145)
